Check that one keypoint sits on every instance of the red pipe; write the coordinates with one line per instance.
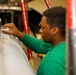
(25, 21)
(48, 3)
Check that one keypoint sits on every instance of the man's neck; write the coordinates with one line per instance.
(57, 41)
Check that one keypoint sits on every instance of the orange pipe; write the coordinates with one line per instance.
(69, 13)
(48, 3)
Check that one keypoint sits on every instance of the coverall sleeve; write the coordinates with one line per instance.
(35, 44)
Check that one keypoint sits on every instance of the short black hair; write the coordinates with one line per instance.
(56, 16)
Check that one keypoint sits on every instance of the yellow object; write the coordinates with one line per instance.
(32, 63)
(41, 55)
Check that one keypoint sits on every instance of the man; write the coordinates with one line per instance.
(53, 44)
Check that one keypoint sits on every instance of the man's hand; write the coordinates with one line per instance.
(12, 29)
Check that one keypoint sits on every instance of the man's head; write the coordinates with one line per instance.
(53, 23)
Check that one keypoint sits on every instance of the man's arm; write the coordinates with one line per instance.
(35, 44)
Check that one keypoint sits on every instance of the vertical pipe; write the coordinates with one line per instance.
(48, 3)
(71, 21)
(25, 21)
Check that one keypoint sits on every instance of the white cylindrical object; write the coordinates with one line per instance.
(13, 60)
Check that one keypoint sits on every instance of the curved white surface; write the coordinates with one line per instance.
(13, 60)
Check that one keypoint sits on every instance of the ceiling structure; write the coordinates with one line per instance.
(38, 5)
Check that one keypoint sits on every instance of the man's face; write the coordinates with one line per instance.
(46, 31)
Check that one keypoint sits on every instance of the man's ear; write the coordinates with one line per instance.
(55, 30)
